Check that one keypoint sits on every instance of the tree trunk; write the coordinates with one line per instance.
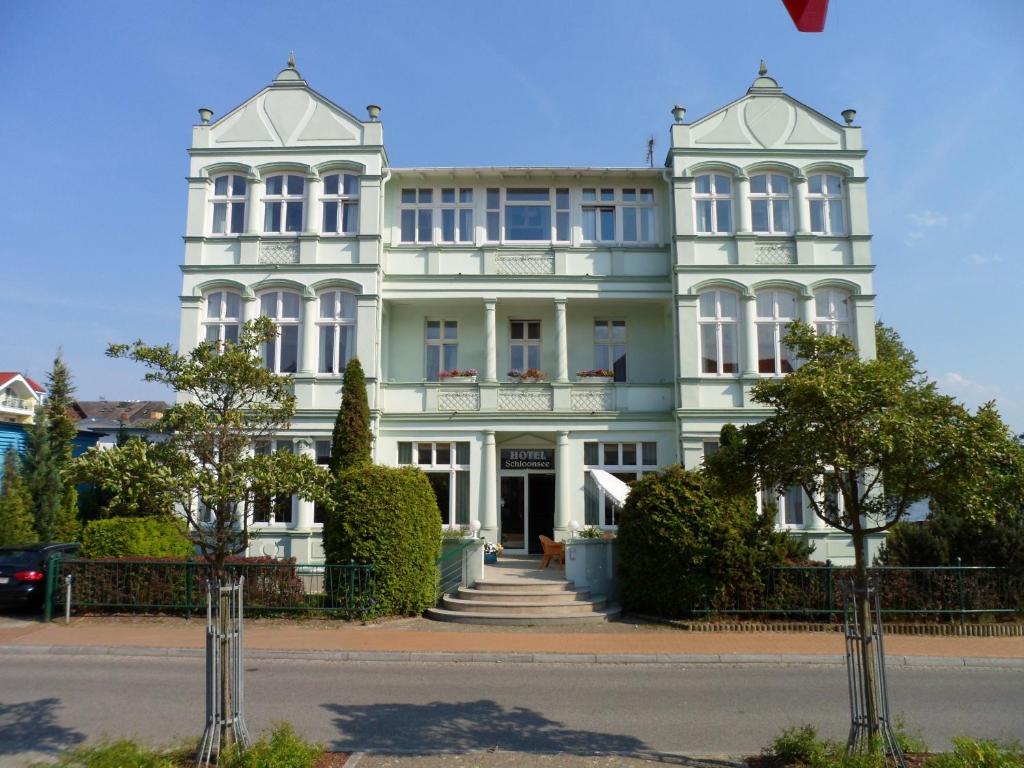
(869, 672)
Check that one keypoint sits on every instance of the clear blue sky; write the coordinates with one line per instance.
(98, 99)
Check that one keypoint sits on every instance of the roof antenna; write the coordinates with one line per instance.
(650, 151)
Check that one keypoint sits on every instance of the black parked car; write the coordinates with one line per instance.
(23, 572)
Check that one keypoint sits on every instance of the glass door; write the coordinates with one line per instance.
(513, 513)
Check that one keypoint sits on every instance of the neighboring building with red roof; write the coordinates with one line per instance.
(19, 396)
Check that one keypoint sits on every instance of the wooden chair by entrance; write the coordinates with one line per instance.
(552, 549)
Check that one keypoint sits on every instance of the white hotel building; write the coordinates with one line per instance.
(680, 280)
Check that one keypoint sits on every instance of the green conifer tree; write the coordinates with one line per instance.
(16, 523)
(42, 475)
(352, 439)
(61, 432)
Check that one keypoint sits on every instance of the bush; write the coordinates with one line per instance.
(388, 517)
(968, 753)
(282, 749)
(685, 545)
(135, 537)
(122, 753)
(799, 744)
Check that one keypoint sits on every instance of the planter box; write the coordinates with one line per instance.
(595, 379)
(528, 381)
(458, 380)
(490, 558)
(591, 564)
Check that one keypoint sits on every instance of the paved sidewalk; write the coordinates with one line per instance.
(423, 640)
(501, 759)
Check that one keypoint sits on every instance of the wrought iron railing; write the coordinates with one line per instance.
(179, 586)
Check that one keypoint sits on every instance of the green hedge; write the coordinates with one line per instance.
(388, 517)
(135, 537)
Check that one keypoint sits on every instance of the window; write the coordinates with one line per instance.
(775, 311)
(832, 313)
(610, 347)
(341, 203)
(524, 345)
(712, 194)
(788, 506)
(442, 347)
(223, 316)
(457, 215)
(711, 447)
(272, 509)
(337, 324)
(525, 214)
(323, 458)
(599, 215)
(637, 215)
(617, 215)
(719, 322)
(281, 355)
(282, 204)
(228, 205)
(417, 215)
(626, 461)
(825, 196)
(769, 203)
(447, 468)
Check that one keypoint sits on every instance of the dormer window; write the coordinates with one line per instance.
(341, 204)
(228, 205)
(282, 203)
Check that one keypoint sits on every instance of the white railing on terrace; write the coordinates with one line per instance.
(8, 401)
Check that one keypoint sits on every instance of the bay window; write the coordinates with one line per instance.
(341, 204)
(228, 201)
(282, 203)
(770, 210)
(281, 354)
(718, 318)
(775, 311)
(337, 330)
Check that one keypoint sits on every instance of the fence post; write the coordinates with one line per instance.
(51, 579)
(190, 575)
(830, 590)
(960, 587)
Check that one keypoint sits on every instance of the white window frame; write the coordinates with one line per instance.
(639, 202)
(440, 343)
(720, 322)
(526, 343)
(458, 208)
(594, 201)
(421, 207)
(828, 201)
(451, 468)
(610, 343)
(281, 322)
(779, 325)
(714, 197)
(559, 203)
(223, 321)
(639, 469)
(837, 319)
(773, 198)
(233, 202)
(274, 445)
(345, 202)
(288, 201)
(340, 323)
(782, 509)
(642, 200)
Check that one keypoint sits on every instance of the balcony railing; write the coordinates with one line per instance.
(20, 404)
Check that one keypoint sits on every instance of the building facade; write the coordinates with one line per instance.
(520, 327)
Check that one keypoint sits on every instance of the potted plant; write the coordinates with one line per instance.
(529, 376)
(457, 376)
(595, 376)
(491, 552)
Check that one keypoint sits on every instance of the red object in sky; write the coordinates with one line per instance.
(808, 15)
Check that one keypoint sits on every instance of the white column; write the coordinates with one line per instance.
(743, 201)
(311, 205)
(490, 341)
(489, 513)
(304, 507)
(253, 208)
(307, 359)
(191, 318)
(562, 486)
(807, 308)
(250, 308)
(864, 325)
(561, 340)
(802, 225)
(749, 335)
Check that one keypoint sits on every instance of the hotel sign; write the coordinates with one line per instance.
(527, 458)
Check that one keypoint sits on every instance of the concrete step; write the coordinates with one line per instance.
(524, 585)
(534, 609)
(525, 596)
(523, 619)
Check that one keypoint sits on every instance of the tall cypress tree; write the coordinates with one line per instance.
(351, 440)
(60, 426)
(16, 523)
(42, 475)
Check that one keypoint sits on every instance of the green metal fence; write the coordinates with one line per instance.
(179, 587)
(940, 592)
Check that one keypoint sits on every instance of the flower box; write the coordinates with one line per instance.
(458, 380)
(455, 376)
(595, 379)
(529, 376)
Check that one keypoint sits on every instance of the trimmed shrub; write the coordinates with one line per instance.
(686, 546)
(135, 537)
(388, 517)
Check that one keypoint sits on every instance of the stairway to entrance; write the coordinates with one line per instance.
(516, 592)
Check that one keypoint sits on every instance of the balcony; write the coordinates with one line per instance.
(16, 403)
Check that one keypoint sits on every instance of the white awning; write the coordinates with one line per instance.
(610, 484)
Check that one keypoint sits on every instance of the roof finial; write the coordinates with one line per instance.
(291, 60)
(763, 69)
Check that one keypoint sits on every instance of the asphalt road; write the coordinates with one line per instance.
(48, 703)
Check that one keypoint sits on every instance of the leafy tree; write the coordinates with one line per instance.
(15, 505)
(351, 440)
(131, 481)
(865, 439)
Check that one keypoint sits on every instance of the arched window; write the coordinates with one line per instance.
(832, 313)
(341, 203)
(718, 319)
(775, 311)
(281, 355)
(825, 196)
(282, 203)
(228, 205)
(223, 316)
(770, 210)
(712, 194)
(337, 323)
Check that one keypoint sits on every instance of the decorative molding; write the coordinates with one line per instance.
(593, 399)
(524, 264)
(462, 399)
(279, 252)
(526, 399)
(774, 253)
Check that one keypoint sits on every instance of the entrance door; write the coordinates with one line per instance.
(541, 506)
(513, 512)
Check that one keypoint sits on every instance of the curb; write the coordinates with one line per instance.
(513, 658)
